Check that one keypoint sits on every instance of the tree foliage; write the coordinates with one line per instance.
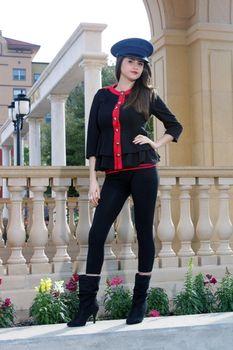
(75, 128)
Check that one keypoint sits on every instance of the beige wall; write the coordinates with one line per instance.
(192, 68)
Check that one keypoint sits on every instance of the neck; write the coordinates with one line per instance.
(124, 85)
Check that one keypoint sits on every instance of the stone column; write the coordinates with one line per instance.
(61, 230)
(58, 136)
(38, 232)
(34, 141)
(166, 228)
(92, 81)
(185, 227)
(204, 228)
(16, 234)
(6, 161)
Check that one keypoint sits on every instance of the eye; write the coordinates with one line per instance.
(141, 64)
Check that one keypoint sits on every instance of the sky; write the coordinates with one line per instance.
(49, 23)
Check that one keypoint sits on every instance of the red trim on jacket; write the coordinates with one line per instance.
(117, 153)
(141, 166)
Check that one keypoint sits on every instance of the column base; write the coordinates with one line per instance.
(207, 260)
(42, 268)
(128, 264)
(171, 261)
(110, 265)
(62, 267)
(225, 259)
(184, 260)
(17, 269)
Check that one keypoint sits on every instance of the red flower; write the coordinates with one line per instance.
(72, 284)
(213, 280)
(0, 280)
(208, 276)
(7, 302)
(115, 281)
(154, 313)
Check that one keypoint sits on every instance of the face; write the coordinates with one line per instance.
(131, 68)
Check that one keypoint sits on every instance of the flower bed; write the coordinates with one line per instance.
(57, 302)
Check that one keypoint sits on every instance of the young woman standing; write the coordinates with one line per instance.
(117, 143)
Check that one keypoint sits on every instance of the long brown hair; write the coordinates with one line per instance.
(142, 90)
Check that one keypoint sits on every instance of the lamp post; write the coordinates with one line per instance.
(17, 110)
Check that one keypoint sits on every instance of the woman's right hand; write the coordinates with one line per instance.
(94, 193)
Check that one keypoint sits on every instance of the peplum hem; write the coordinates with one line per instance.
(129, 160)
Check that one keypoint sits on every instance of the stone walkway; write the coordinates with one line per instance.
(193, 332)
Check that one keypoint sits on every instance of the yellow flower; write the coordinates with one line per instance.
(45, 285)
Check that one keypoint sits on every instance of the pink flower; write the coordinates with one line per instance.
(115, 281)
(72, 284)
(154, 313)
(7, 302)
(76, 277)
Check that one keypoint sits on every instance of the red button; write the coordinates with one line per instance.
(114, 118)
(117, 130)
(118, 154)
(117, 143)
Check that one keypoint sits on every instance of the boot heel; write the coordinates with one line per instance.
(94, 315)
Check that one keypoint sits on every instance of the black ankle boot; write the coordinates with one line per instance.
(88, 306)
(139, 305)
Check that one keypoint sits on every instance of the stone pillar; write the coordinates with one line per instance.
(38, 232)
(92, 82)
(58, 129)
(204, 228)
(34, 141)
(6, 161)
(16, 234)
(166, 228)
(61, 230)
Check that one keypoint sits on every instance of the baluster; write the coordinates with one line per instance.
(166, 229)
(204, 229)
(185, 228)
(51, 207)
(223, 228)
(2, 243)
(84, 222)
(16, 235)
(38, 232)
(125, 235)
(73, 245)
(61, 230)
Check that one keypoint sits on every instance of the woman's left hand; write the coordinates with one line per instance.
(142, 140)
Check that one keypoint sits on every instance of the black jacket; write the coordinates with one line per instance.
(101, 130)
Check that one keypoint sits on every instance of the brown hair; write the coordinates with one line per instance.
(142, 91)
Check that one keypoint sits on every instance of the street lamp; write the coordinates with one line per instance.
(17, 110)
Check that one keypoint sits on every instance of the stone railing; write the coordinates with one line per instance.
(44, 235)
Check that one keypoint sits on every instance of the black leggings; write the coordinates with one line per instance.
(143, 186)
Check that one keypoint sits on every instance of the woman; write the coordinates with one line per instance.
(117, 143)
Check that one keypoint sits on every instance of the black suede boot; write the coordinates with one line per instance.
(139, 305)
(88, 306)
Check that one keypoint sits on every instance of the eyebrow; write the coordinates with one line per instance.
(135, 58)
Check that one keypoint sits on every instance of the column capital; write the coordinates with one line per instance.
(93, 59)
(58, 97)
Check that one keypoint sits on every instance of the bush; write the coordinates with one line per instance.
(117, 299)
(53, 304)
(157, 300)
(7, 312)
(224, 294)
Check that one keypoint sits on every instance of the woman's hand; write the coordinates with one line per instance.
(94, 193)
(142, 140)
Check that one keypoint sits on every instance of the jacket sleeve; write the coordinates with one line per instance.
(93, 131)
(162, 112)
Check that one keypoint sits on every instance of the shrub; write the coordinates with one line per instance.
(157, 300)
(224, 294)
(187, 301)
(53, 303)
(7, 312)
(203, 288)
(117, 299)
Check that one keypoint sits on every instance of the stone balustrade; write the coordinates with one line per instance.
(48, 235)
